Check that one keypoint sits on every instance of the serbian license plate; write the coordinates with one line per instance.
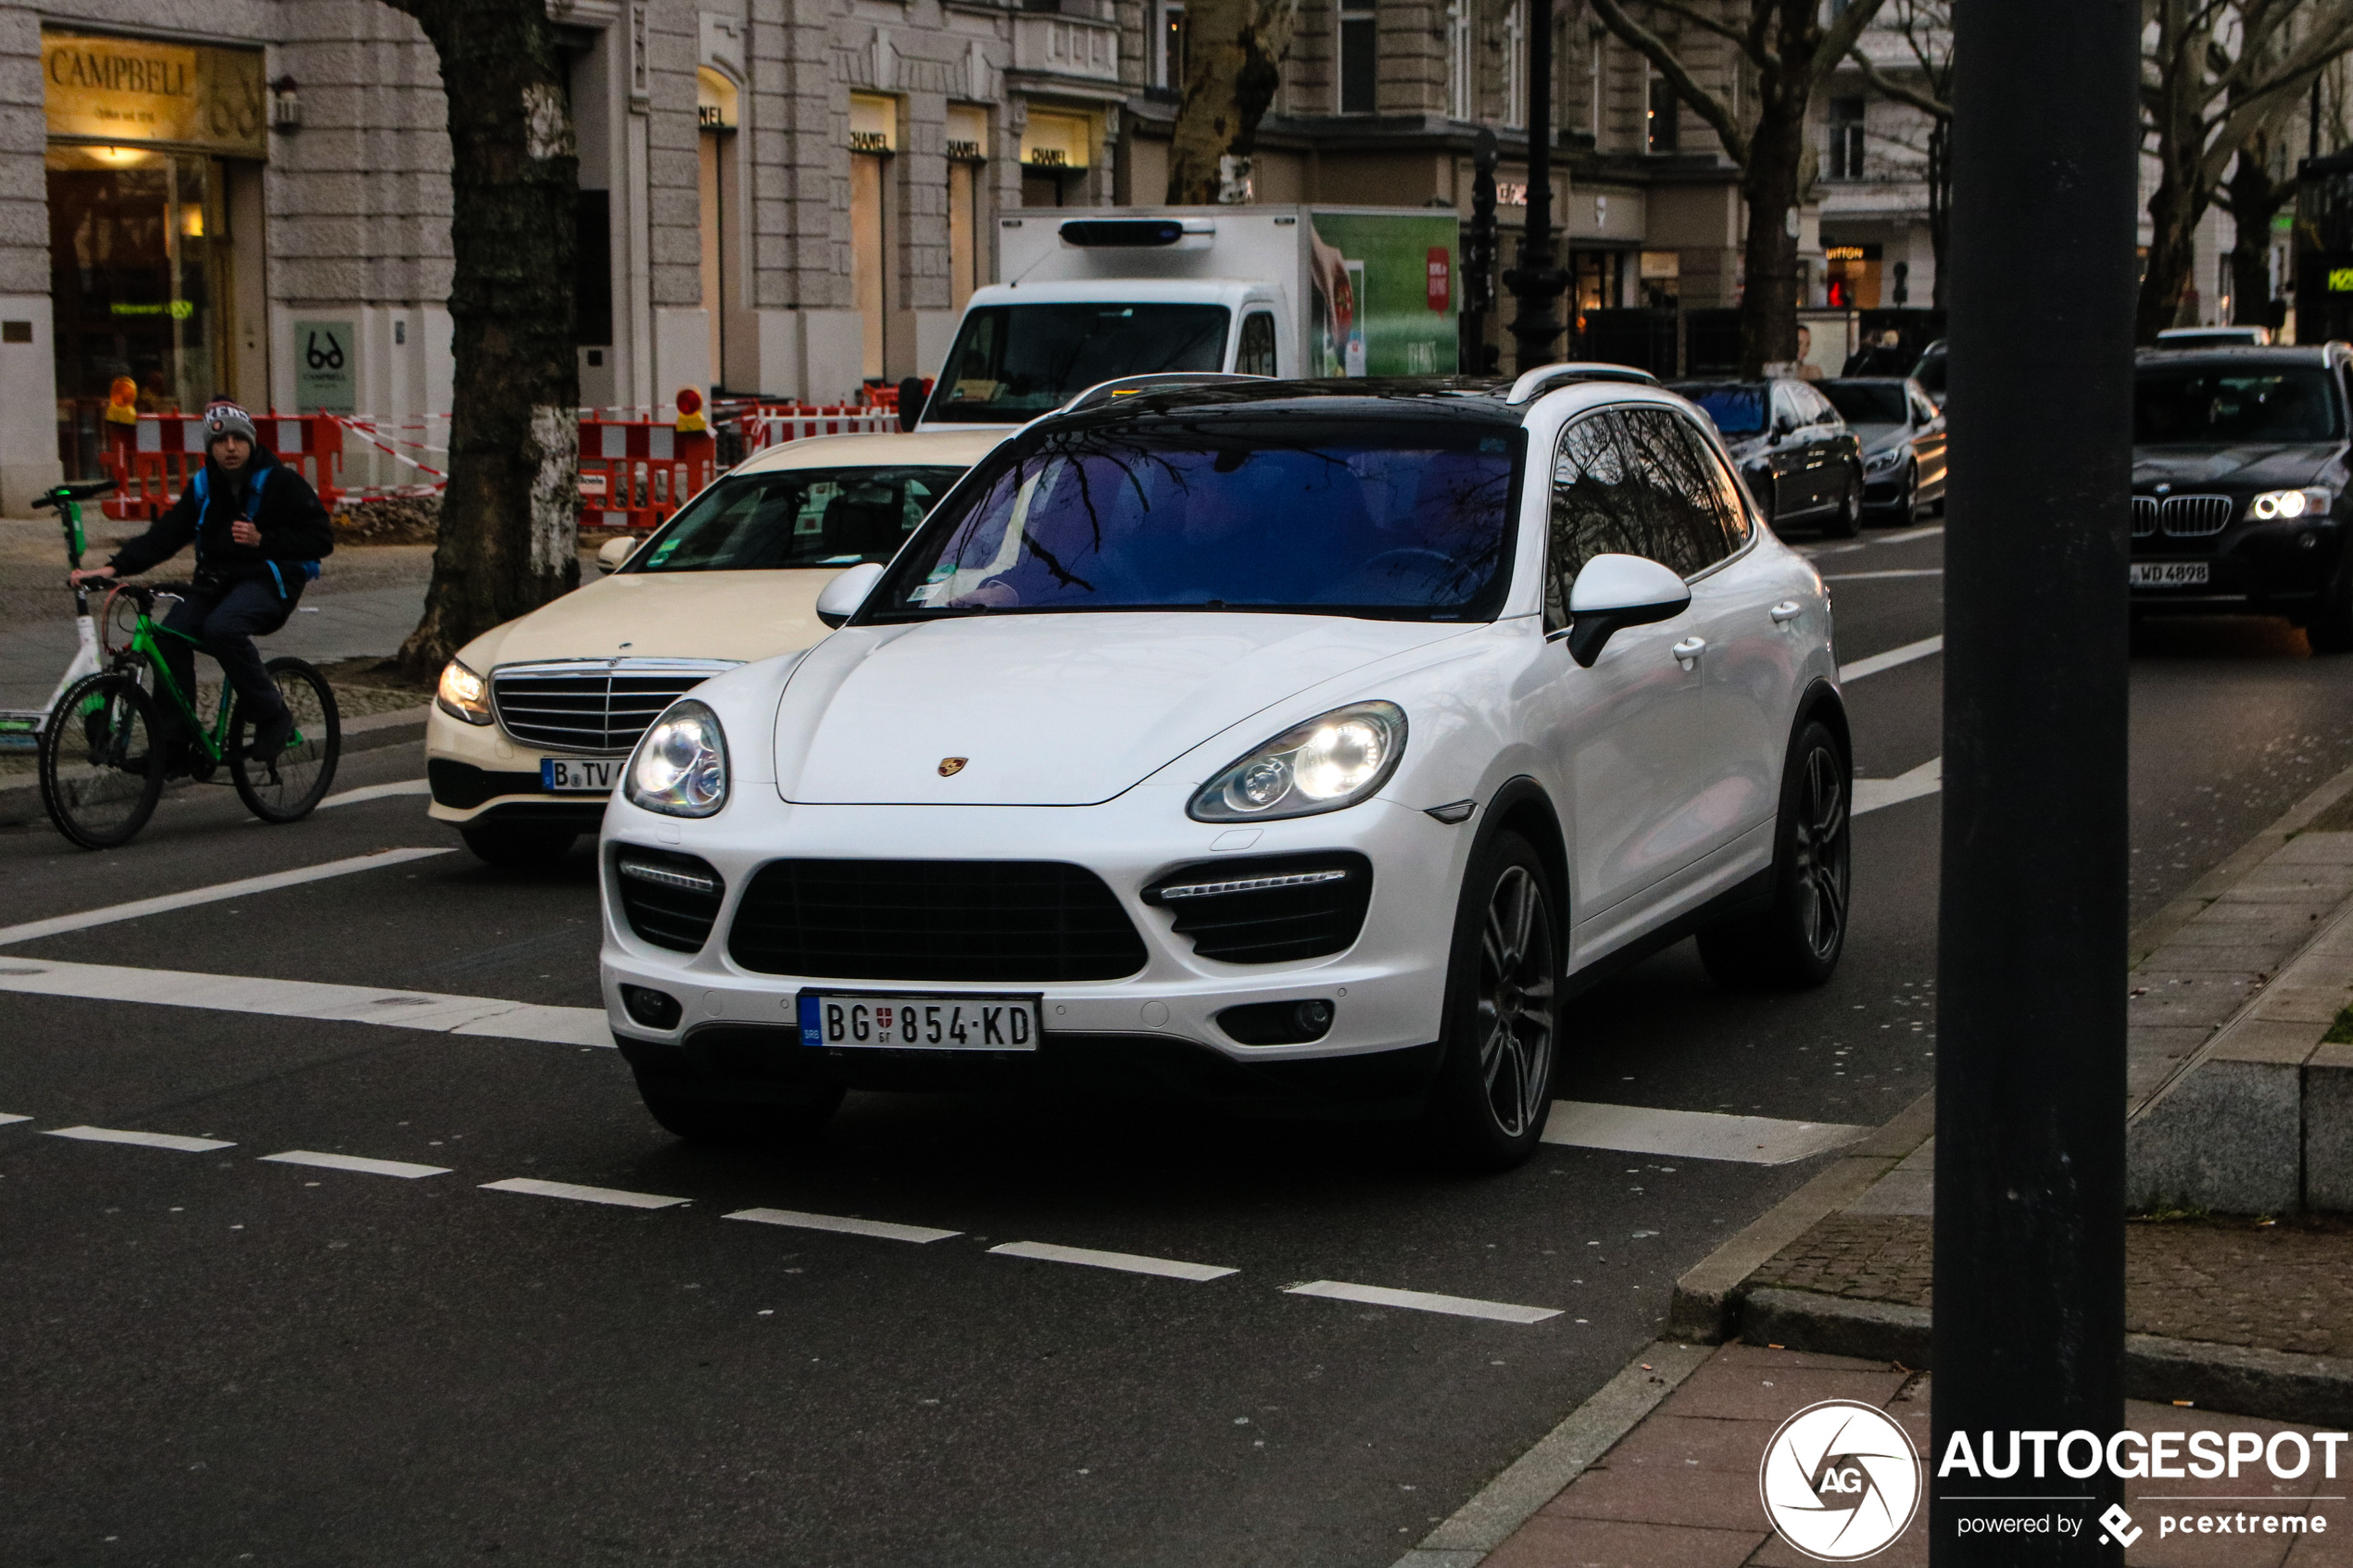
(920, 1024)
(566, 777)
(2167, 573)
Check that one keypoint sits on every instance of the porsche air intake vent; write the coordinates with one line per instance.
(937, 921)
(1270, 910)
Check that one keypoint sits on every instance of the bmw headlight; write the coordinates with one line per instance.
(680, 767)
(1335, 761)
(463, 694)
(1880, 462)
(2281, 504)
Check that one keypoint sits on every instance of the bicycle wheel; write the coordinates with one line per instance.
(287, 787)
(101, 771)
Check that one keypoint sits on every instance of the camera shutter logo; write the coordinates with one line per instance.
(1840, 1481)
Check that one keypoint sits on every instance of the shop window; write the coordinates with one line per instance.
(592, 270)
(873, 136)
(1055, 153)
(1846, 159)
(1359, 57)
(1662, 120)
(967, 148)
(715, 111)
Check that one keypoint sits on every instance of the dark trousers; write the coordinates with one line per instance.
(225, 618)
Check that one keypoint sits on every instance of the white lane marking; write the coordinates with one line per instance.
(841, 1223)
(490, 1017)
(614, 1196)
(1870, 576)
(1422, 1301)
(1908, 535)
(7, 1117)
(1815, 552)
(144, 1140)
(165, 902)
(1167, 1268)
(401, 1168)
(376, 791)
(1926, 779)
(1892, 657)
(1692, 1135)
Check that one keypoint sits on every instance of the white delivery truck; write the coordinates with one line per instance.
(1092, 295)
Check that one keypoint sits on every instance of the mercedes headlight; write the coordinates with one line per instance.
(680, 767)
(463, 695)
(1325, 764)
(1880, 462)
(2275, 504)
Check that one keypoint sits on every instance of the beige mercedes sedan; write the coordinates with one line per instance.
(535, 718)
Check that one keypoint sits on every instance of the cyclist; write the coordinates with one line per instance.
(259, 532)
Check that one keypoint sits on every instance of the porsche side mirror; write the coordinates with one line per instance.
(614, 552)
(840, 598)
(1617, 591)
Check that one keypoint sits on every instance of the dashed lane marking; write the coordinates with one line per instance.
(1873, 576)
(1908, 535)
(165, 902)
(1872, 794)
(489, 1016)
(144, 1140)
(1892, 657)
(1422, 1301)
(1127, 1263)
(614, 1196)
(376, 791)
(355, 1163)
(7, 1117)
(841, 1223)
(1692, 1135)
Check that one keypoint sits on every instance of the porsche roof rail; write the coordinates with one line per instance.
(1544, 378)
(1159, 380)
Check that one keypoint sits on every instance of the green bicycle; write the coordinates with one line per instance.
(102, 767)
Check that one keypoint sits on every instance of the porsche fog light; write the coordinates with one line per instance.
(680, 767)
(1335, 760)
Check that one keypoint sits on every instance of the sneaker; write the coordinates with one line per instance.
(270, 736)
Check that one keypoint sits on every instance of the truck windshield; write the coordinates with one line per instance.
(798, 517)
(1396, 519)
(1014, 362)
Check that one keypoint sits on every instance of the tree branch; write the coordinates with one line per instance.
(1700, 19)
(1705, 103)
(1838, 42)
(1888, 87)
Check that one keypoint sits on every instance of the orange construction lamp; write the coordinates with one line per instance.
(123, 402)
(690, 419)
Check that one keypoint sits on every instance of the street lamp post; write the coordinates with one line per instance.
(1536, 283)
(1478, 260)
(2030, 1087)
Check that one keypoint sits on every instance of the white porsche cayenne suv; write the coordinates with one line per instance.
(1300, 745)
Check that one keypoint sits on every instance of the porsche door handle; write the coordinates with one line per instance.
(1787, 610)
(1687, 652)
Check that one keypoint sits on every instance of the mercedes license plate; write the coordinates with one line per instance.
(851, 1019)
(2167, 573)
(566, 777)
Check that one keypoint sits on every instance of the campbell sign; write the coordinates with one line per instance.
(142, 91)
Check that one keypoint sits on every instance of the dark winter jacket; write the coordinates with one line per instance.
(293, 528)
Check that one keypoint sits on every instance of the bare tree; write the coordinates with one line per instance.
(509, 516)
(1785, 45)
(2216, 75)
(1234, 53)
(1926, 84)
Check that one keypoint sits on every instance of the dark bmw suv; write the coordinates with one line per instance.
(2239, 474)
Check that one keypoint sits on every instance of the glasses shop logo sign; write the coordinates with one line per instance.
(1840, 1480)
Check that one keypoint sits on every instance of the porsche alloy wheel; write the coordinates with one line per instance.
(1495, 1080)
(1795, 944)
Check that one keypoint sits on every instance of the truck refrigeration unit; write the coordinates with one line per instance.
(1277, 291)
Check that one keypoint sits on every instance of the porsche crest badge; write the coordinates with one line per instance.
(950, 766)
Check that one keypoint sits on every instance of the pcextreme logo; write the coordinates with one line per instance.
(1840, 1481)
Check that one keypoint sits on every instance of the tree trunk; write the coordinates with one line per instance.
(1940, 203)
(509, 515)
(2256, 199)
(1769, 185)
(2174, 210)
(1234, 54)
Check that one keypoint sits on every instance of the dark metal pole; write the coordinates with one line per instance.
(2030, 1090)
(1477, 356)
(1536, 283)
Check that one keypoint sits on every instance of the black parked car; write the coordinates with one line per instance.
(2239, 476)
(1904, 443)
(1793, 447)
(1930, 371)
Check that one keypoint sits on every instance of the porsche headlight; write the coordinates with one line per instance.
(1335, 761)
(680, 767)
(463, 695)
(2284, 503)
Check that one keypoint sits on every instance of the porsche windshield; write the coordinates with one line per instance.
(1385, 518)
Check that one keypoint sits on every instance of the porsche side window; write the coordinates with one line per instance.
(1600, 506)
(1724, 491)
(1680, 491)
(1256, 356)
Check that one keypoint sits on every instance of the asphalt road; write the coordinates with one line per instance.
(214, 1358)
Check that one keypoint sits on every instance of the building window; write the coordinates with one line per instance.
(967, 150)
(1596, 42)
(1661, 121)
(1516, 66)
(1171, 63)
(1846, 159)
(1359, 56)
(1460, 45)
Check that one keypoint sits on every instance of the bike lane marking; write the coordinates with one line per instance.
(364, 1166)
(1126, 1262)
(841, 1223)
(1692, 1135)
(376, 791)
(144, 1141)
(1422, 1301)
(1891, 659)
(164, 903)
(533, 1186)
